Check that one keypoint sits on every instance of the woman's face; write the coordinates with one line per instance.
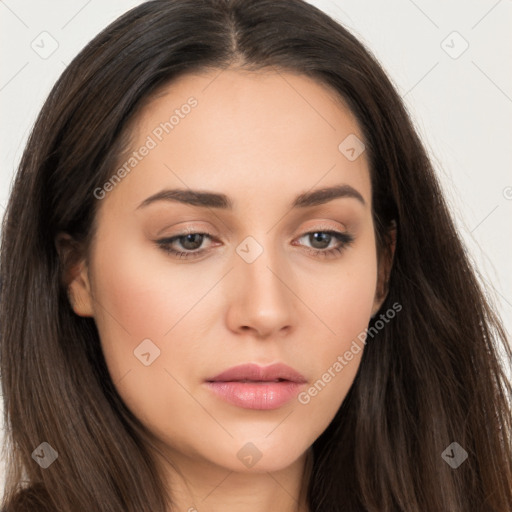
(267, 280)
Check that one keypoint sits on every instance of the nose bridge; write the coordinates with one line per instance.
(263, 302)
(260, 265)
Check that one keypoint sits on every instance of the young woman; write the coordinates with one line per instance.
(229, 281)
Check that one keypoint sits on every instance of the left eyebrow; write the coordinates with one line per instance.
(216, 200)
(325, 195)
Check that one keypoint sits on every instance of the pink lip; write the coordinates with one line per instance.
(268, 387)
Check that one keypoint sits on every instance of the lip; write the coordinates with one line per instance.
(251, 386)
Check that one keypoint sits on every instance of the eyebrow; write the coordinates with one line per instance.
(221, 201)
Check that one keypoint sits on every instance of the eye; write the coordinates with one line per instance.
(191, 242)
(321, 240)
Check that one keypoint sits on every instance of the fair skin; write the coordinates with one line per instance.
(262, 139)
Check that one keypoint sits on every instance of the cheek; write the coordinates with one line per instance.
(344, 305)
(147, 311)
(141, 295)
(342, 295)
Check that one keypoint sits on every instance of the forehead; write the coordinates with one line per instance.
(266, 135)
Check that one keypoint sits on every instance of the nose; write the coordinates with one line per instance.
(261, 299)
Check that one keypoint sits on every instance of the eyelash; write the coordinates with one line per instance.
(344, 238)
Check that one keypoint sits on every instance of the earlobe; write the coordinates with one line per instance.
(79, 292)
(75, 275)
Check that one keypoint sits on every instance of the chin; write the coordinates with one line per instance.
(261, 455)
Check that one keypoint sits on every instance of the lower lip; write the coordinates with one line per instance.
(255, 395)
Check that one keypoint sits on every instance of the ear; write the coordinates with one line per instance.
(385, 263)
(75, 275)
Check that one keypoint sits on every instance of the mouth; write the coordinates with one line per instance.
(250, 386)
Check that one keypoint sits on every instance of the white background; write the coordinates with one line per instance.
(462, 106)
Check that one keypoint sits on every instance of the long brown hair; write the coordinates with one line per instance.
(431, 377)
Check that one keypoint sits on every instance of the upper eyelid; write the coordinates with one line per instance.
(324, 229)
(321, 226)
(174, 238)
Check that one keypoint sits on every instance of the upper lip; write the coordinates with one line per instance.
(256, 373)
